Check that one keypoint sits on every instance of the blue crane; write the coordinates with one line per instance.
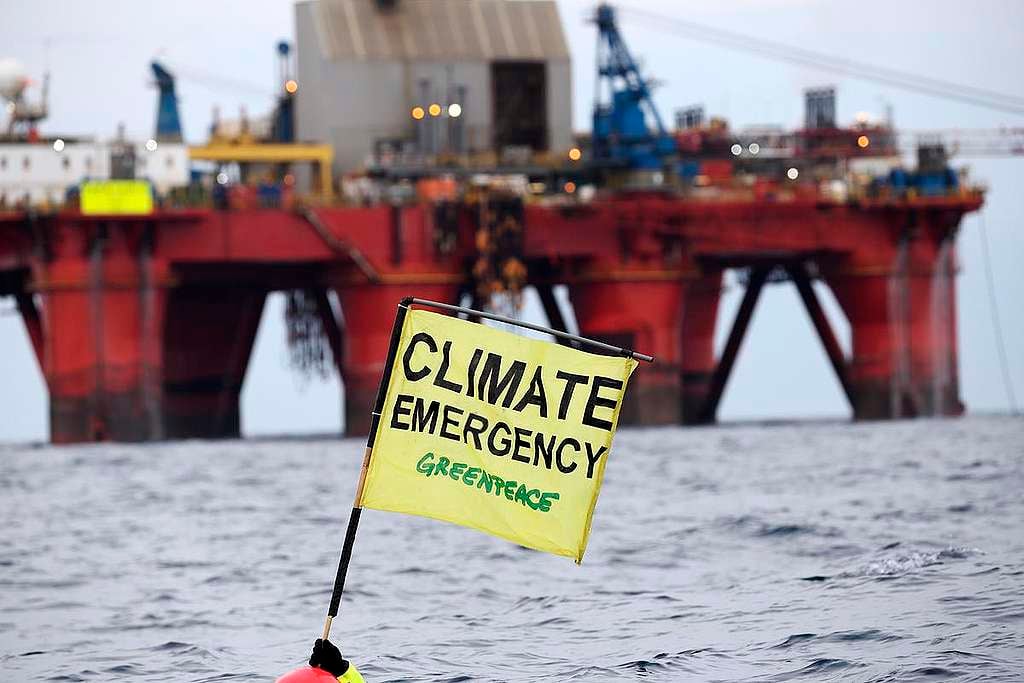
(622, 138)
(168, 122)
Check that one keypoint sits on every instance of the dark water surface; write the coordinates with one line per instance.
(870, 552)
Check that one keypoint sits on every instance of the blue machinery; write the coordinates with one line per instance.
(622, 138)
(168, 122)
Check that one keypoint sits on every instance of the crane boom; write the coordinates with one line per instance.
(622, 136)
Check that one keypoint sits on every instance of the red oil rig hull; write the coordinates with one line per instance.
(143, 325)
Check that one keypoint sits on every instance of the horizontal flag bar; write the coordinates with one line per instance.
(629, 353)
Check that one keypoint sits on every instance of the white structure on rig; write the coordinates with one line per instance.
(380, 75)
(41, 172)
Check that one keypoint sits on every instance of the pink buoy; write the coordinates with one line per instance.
(307, 674)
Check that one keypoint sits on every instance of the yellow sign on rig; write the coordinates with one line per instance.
(496, 432)
(116, 198)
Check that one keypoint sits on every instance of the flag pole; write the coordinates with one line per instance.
(357, 505)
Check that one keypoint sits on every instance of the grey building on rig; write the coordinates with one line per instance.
(366, 69)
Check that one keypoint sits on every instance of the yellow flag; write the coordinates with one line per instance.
(496, 432)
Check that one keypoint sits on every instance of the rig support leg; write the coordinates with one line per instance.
(946, 388)
(369, 314)
(643, 315)
(103, 306)
(209, 335)
(720, 378)
(903, 321)
(871, 302)
(931, 323)
(698, 347)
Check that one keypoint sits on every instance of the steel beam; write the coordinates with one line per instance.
(33, 323)
(798, 272)
(720, 378)
(556, 320)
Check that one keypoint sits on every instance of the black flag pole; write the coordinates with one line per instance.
(357, 505)
(378, 407)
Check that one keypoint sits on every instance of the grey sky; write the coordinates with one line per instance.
(98, 52)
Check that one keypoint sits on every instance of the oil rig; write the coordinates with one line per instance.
(447, 124)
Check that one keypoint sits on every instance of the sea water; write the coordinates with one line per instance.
(860, 552)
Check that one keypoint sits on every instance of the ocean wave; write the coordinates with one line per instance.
(910, 562)
(900, 564)
(871, 634)
(763, 528)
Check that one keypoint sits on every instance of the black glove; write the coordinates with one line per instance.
(327, 657)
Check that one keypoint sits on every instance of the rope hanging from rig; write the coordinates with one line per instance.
(308, 347)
